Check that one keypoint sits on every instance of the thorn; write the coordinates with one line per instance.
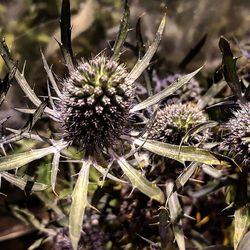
(189, 217)
(98, 211)
(23, 69)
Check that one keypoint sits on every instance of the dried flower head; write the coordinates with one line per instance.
(237, 139)
(173, 121)
(96, 101)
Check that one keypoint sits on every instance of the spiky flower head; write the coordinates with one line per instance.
(237, 139)
(172, 122)
(91, 238)
(190, 92)
(96, 102)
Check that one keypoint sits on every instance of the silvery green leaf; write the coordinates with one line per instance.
(22, 182)
(50, 76)
(175, 211)
(79, 203)
(139, 181)
(103, 171)
(20, 159)
(26, 111)
(241, 223)
(165, 93)
(23, 135)
(186, 175)
(181, 154)
(142, 64)
(54, 170)
(197, 129)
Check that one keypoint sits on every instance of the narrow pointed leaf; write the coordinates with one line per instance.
(185, 175)
(21, 182)
(142, 64)
(79, 203)
(175, 211)
(65, 25)
(103, 172)
(229, 68)
(166, 92)
(20, 136)
(26, 111)
(35, 117)
(50, 76)
(18, 160)
(181, 154)
(123, 31)
(139, 181)
(197, 129)
(54, 170)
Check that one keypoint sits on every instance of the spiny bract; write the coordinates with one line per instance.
(172, 122)
(96, 102)
(190, 92)
(237, 140)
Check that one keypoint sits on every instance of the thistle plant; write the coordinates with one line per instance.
(93, 110)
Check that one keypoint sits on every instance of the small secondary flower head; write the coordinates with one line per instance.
(237, 139)
(172, 122)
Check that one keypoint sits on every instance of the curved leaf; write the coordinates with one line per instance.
(142, 64)
(166, 92)
(79, 203)
(18, 160)
(123, 31)
(175, 211)
(139, 181)
(54, 170)
(181, 154)
(22, 183)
